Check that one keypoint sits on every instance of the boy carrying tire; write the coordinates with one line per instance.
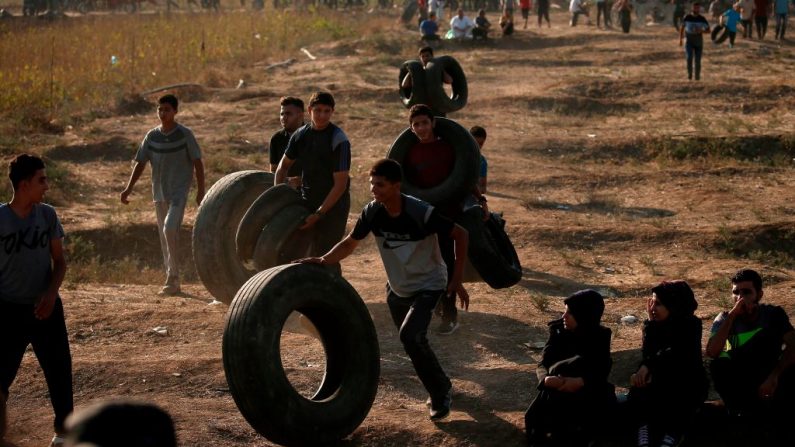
(406, 231)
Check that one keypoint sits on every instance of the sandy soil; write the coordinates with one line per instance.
(582, 123)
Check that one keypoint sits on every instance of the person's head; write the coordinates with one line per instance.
(167, 107)
(672, 299)
(482, 13)
(426, 54)
(584, 309)
(461, 13)
(479, 134)
(738, 6)
(747, 284)
(28, 177)
(291, 112)
(321, 107)
(385, 178)
(422, 122)
(121, 423)
(432, 16)
(696, 8)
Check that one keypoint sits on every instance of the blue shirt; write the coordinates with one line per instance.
(732, 18)
(428, 27)
(782, 7)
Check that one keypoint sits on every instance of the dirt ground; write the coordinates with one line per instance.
(612, 170)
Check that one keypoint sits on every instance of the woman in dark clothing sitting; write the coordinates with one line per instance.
(670, 383)
(574, 394)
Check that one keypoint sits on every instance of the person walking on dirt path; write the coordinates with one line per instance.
(761, 12)
(694, 26)
(427, 164)
(32, 268)
(543, 12)
(574, 394)
(325, 155)
(525, 6)
(730, 19)
(406, 231)
(752, 373)
(624, 9)
(291, 117)
(670, 384)
(781, 9)
(602, 11)
(174, 154)
(747, 9)
(426, 55)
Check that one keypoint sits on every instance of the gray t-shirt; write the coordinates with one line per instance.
(25, 261)
(172, 155)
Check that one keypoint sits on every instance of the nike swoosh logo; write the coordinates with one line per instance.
(387, 246)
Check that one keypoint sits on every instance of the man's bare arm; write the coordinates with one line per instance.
(198, 168)
(282, 170)
(342, 250)
(138, 169)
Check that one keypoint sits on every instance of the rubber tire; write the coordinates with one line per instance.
(417, 94)
(439, 101)
(465, 171)
(274, 239)
(259, 214)
(214, 253)
(409, 11)
(719, 34)
(490, 250)
(253, 366)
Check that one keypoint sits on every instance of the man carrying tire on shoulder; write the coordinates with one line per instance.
(406, 231)
(427, 164)
(291, 117)
(426, 55)
(325, 155)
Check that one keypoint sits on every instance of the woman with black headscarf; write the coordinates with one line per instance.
(670, 383)
(574, 394)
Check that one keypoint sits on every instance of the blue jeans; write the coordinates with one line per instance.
(781, 25)
(412, 315)
(693, 52)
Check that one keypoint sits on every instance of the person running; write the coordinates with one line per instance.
(175, 156)
(543, 12)
(670, 383)
(761, 11)
(752, 373)
(525, 6)
(325, 155)
(32, 268)
(730, 19)
(694, 26)
(291, 117)
(573, 391)
(781, 9)
(406, 231)
(747, 9)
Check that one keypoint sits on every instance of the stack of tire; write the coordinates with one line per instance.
(246, 225)
(491, 252)
(427, 87)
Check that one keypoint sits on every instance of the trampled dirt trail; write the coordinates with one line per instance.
(590, 150)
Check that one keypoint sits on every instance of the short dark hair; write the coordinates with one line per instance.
(425, 50)
(478, 131)
(169, 99)
(324, 98)
(122, 423)
(388, 169)
(748, 275)
(291, 101)
(23, 167)
(420, 109)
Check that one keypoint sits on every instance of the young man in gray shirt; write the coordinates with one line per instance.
(32, 268)
(174, 154)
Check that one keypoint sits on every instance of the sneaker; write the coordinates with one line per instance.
(169, 290)
(447, 327)
(58, 441)
(670, 440)
(643, 436)
(440, 410)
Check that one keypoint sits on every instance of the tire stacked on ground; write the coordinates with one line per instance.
(427, 86)
(253, 366)
(217, 262)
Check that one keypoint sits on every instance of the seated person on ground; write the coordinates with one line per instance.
(754, 376)
(506, 24)
(429, 29)
(574, 394)
(461, 26)
(670, 383)
(482, 26)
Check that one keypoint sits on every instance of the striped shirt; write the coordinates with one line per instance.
(171, 155)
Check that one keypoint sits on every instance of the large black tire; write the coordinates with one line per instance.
(214, 253)
(719, 34)
(465, 171)
(490, 249)
(439, 101)
(275, 243)
(417, 94)
(259, 214)
(253, 365)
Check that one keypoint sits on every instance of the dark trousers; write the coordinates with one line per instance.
(761, 26)
(20, 328)
(331, 227)
(693, 54)
(412, 316)
(679, 15)
(574, 17)
(670, 406)
(732, 36)
(601, 11)
(625, 16)
(781, 25)
(543, 13)
(447, 309)
(748, 29)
